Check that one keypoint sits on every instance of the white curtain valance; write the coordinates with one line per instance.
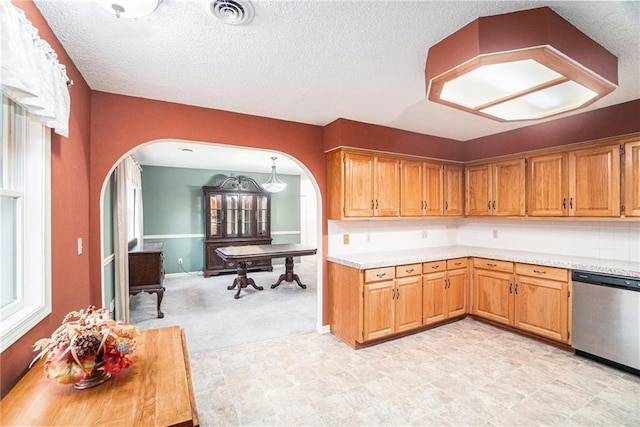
(30, 73)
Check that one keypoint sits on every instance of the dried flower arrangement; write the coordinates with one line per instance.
(87, 339)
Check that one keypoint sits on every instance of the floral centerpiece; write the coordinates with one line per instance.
(88, 343)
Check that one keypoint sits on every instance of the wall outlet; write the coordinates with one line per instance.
(425, 234)
(345, 239)
(367, 237)
(495, 234)
(179, 261)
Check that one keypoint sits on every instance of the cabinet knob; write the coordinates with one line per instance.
(539, 272)
(435, 266)
(381, 274)
(409, 270)
(491, 265)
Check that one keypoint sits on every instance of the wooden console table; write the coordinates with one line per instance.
(155, 391)
(146, 271)
(244, 255)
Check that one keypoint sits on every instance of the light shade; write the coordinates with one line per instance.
(519, 66)
(133, 9)
(274, 184)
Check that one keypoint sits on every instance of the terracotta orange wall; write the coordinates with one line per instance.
(69, 212)
(343, 132)
(121, 123)
(620, 119)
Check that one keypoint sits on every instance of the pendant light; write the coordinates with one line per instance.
(274, 184)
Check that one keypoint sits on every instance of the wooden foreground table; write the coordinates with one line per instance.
(155, 391)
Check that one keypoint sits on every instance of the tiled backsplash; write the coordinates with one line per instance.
(616, 240)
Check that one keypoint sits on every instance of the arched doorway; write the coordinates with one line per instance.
(310, 199)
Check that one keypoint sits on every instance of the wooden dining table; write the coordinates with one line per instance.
(243, 255)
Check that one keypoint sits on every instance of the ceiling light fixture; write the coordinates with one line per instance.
(132, 9)
(274, 184)
(523, 65)
(232, 12)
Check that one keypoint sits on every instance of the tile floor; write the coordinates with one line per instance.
(464, 373)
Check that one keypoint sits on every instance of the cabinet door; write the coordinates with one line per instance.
(453, 194)
(477, 191)
(594, 182)
(548, 187)
(632, 179)
(408, 306)
(247, 216)
(507, 188)
(411, 188)
(232, 215)
(213, 215)
(433, 290)
(263, 220)
(434, 189)
(387, 187)
(378, 310)
(541, 307)
(456, 294)
(493, 295)
(358, 185)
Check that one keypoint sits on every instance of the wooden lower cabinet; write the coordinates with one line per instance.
(542, 300)
(392, 301)
(531, 298)
(444, 293)
(492, 292)
(378, 309)
(368, 305)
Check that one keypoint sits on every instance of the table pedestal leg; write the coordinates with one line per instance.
(289, 275)
(242, 281)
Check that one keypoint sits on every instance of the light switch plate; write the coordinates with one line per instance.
(80, 246)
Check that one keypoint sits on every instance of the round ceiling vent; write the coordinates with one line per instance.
(232, 12)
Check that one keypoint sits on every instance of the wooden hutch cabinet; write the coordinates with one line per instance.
(236, 212)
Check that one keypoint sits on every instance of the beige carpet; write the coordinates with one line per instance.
(214, 320)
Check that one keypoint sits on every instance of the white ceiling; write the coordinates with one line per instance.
(312, 61)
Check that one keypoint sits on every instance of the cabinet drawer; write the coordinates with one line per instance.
(492, 264)
(455, 263)
(377, 274)
(550, 273)
(408, 270)
(432, 267)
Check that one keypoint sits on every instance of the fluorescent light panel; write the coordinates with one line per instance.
(489, 84)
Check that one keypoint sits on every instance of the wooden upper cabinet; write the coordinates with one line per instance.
(452, 190)
(496, 188)
(421, 188)
(386, 186)
(358, 184)
(632, 178)
(362, 185)
(507, 188)
(411, 188)
(548, 185)
(594, 181)
(477, 191)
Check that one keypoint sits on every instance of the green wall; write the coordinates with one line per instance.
(172, 205)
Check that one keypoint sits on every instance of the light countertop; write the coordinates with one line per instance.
(363, 261)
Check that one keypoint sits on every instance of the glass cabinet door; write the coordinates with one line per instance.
(215, 215)
(231, 219)
(246, 223)
(262, 225)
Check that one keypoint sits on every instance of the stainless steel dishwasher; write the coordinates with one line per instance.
(606, 318)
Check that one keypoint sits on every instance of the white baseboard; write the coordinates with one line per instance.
(325, 329)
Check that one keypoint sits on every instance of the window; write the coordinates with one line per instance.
(25, 223)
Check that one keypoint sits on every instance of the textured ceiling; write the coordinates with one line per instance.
(312, 61)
